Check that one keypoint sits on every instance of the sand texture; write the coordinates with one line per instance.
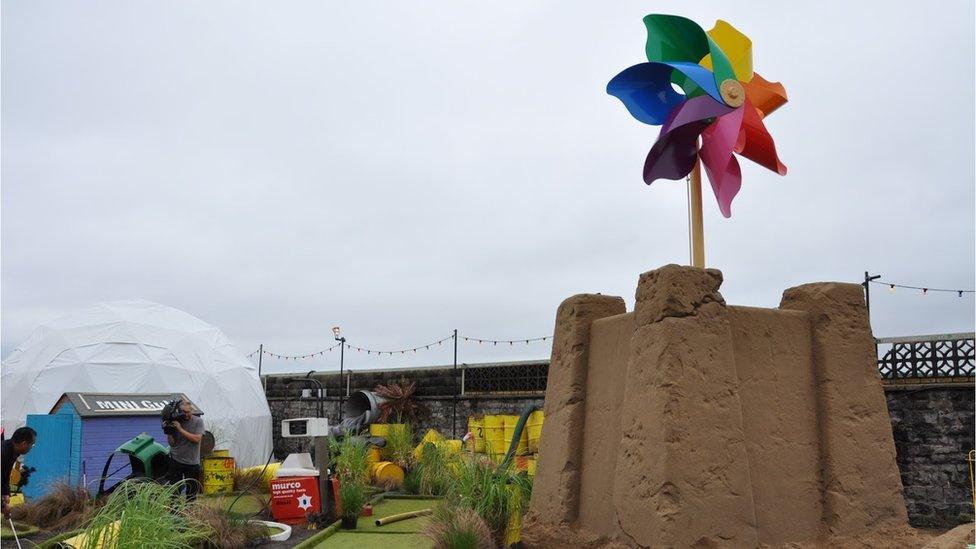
(691, 423)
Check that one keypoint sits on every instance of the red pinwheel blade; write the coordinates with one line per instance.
(718, 142)
(755, 143)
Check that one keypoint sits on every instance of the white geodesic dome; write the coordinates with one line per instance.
(139, 346)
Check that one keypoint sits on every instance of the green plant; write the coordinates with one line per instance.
(457, 527)
(64, 507)
(352, 497)
(399, 446)
(144, 514)
(400, 405)
(225, 530)
(250, 480)
(411, 481)
(435, 470)
(495, 494)
(350, 456)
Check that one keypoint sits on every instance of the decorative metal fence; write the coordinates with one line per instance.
(941, 356)
(524, 377)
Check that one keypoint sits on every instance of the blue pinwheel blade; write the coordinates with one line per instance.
(645, 89)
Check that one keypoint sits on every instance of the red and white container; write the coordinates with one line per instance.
(294, 498)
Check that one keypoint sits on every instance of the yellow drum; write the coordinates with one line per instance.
(533, 461)
(523, 444)
(386, 473)
(495, 435)
(534, 428)
(476, 426)
(379, 429)
(218, 475)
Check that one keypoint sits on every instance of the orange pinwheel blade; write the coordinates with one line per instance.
(765, 95)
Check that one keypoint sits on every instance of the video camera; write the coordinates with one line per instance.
(170, 413)
(25, 473)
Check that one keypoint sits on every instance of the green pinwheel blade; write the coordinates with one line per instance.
(675, 38)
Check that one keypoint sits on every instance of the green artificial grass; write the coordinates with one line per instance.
(249, 504)
(23, 530)
(394, 507)
(373, 540)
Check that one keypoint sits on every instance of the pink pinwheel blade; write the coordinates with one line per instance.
(718, 142)
(676, 149)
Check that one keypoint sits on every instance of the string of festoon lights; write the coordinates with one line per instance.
(418, 348)
(925, 290)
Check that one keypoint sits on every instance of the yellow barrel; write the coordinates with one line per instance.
(372, 455)
(386, 472)
(16, 499)
(523, 443)
(269, 473)
(495, 435)
(218, 475)
(476, 426)
(533, 461)
(453, 446)
(379, 429)
(432, 436)
(534, 428)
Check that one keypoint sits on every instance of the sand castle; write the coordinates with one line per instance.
(692, 423)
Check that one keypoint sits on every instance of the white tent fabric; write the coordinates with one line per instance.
(139, 346)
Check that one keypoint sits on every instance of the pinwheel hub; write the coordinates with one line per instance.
(733, 93)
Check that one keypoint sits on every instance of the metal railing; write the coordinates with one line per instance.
(935, 357)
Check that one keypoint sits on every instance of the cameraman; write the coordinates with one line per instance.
(19, 444)
(184, 449)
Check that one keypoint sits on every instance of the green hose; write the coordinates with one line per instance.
(517, 435)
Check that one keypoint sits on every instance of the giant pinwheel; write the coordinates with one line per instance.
(724, 103)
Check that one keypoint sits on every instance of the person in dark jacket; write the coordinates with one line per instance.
(19, 444)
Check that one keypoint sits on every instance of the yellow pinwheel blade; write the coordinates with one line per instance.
(736, 46)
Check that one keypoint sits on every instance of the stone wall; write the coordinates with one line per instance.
(441, 414)
(933, 429)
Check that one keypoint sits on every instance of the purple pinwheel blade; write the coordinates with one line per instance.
(646, 91)
(676, 149)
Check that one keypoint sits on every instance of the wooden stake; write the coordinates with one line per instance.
(696, 230)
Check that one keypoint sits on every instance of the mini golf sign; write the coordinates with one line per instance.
(119, 404)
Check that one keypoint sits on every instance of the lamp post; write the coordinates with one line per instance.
(342, 359)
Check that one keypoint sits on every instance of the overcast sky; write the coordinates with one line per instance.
(402, 169)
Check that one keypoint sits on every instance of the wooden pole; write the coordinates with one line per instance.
(696, 229)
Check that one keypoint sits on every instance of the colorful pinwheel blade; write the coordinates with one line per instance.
(646, 91)
(718, 142)
(755, 143)
(672, 38)
(736, 46)
(676, 149)
(765, 95)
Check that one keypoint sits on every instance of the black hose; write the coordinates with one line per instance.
(517, 435)
(255, 479)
